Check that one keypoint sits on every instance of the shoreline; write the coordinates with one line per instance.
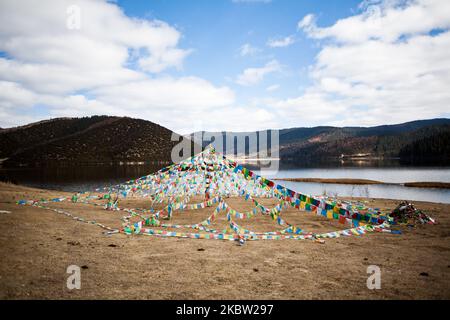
(419, 184)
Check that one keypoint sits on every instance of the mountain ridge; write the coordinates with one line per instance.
(383, 141)
(124, 139)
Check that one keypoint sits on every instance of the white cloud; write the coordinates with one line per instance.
(190, 93)
(248, 50)
(13, 95)
(111, 65)
(273, 87)
(172, 57)
(253, 76)
(281, 42)
(38, 41)
(383, 65)
(237, 118)
(37, 32)
(46, 77)
(384, 21)
(307, 24)
(364, 74)
(191, 99)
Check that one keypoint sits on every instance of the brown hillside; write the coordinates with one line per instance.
(98, 139)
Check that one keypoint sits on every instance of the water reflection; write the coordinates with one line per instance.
(371, 191)
(349, 163)
(89, 177)
(75, 178)
(388, 175)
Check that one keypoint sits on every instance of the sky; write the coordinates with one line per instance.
(235, 65)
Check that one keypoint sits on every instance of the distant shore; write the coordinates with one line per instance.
(425, 184)
(442, 185)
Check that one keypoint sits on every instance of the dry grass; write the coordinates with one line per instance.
(36, 247)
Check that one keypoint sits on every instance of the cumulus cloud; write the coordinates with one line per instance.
(273, 87)
(308, 24)
(384, 21)
(158, 63)
(312, 108)
(38, 32)
(387, 64)
(188, 92)
(109, 64)
(248, 50)
(281, 42)
(253, 76)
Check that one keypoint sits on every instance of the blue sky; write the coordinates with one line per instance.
(238, 65)
(217, 29)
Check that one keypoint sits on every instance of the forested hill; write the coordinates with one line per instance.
(122, 139)
(417, 140)
(425, 139)
(88, 139)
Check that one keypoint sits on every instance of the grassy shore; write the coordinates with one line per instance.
(37, 246)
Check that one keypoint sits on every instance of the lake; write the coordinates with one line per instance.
(76, 178)
(397, 174)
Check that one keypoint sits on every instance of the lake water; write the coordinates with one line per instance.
(391, 175)
(384, 174)
(77, 178)
(371, 191)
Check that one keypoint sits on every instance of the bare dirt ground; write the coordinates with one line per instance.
(37, 246)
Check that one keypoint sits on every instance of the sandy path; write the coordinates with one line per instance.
(36, 247)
